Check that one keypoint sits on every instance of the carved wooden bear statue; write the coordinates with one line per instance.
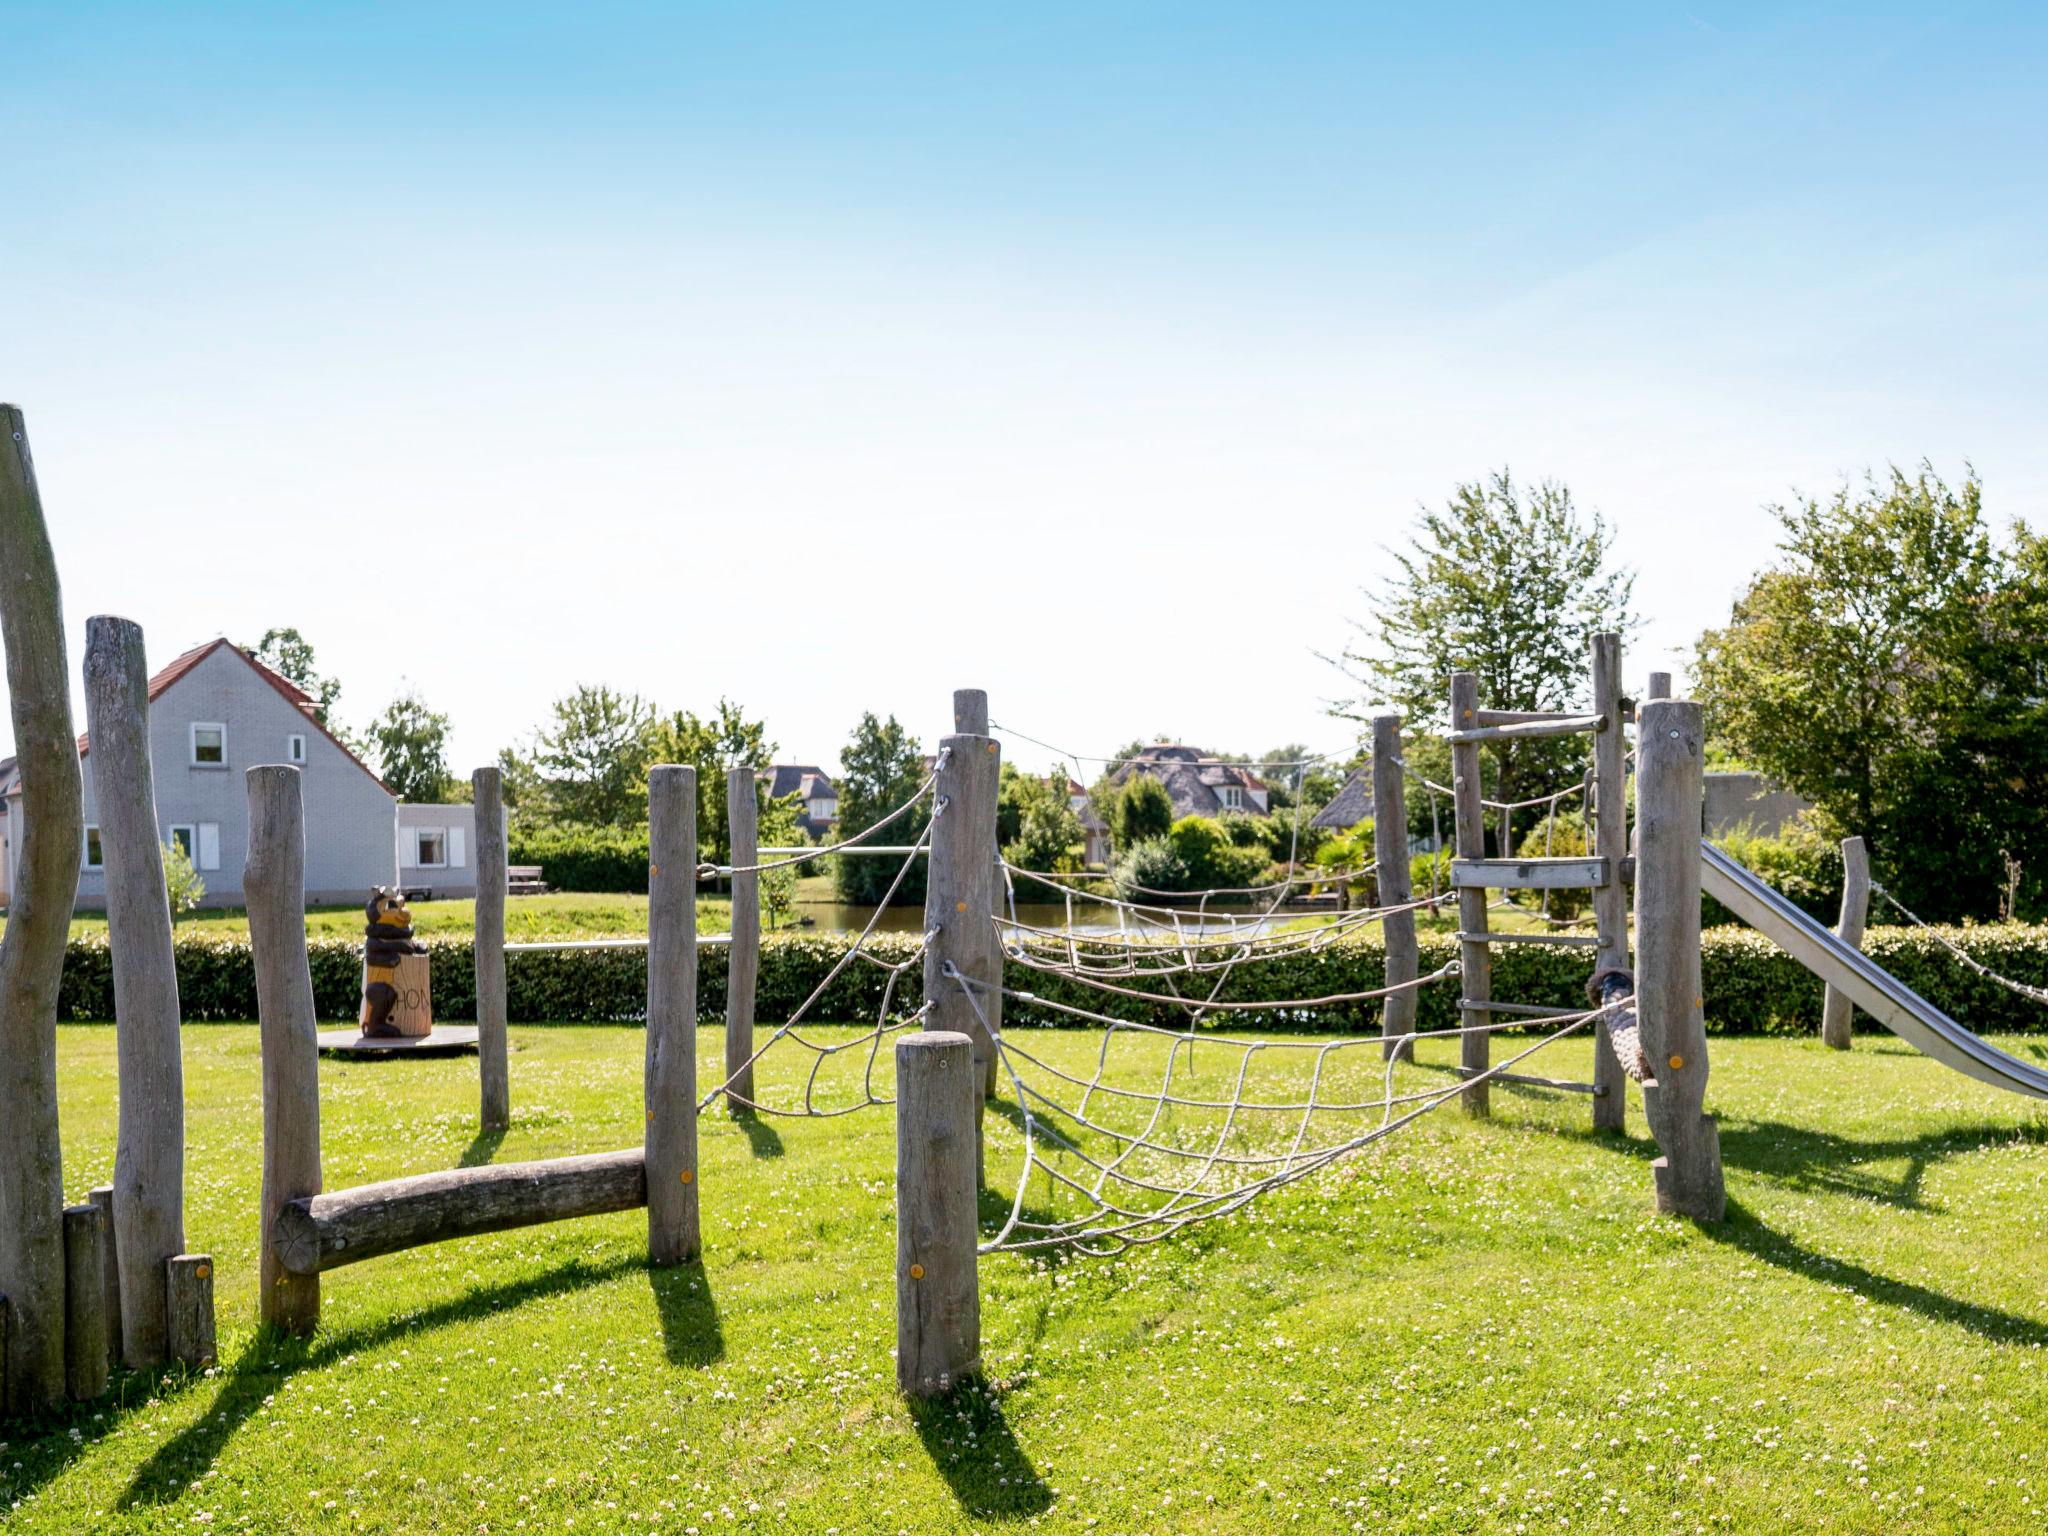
(388, 944)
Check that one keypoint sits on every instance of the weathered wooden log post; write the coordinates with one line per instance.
(85, 1302)
(1670, 747)
(494, 1072)
(938, 1282)
(1475, 960)
(102, 1195)
(671, 1076)
(970, 718)
(1836, 1009)
(958, 898)
(188, 1323)
(149, 1150)
(1658, 687)
(274, 885)
(743, 959)
(38, 926)
(1609, 817)
(1390, 869)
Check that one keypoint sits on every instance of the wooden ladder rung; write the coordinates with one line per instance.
(1557, 1084)
(1531, 730)
(1521, 1010)
(1529, 874)
(1574, 940)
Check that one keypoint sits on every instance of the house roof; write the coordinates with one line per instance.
(1350, 805)
(1193, 779)
(806, 779)
(178, 666)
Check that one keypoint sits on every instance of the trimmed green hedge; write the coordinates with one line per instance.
(585, 859)
(1752, 987)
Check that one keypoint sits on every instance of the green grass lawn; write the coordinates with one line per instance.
(1476, 1327)
(558, 915)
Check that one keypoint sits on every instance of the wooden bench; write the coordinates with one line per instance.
(525, 880)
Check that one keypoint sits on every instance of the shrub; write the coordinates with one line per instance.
(1141, 809)
(1213, 861)
(1802, 862)
(1751, 986)
(1151, 865)
(1352, 850)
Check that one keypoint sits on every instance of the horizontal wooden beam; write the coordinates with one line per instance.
(1557, 1084)
(349, 1225)
(1528, 874)
(1563, 940)
(1533, 730)
(1522, 1010)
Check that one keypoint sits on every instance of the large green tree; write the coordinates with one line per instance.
(881, 767)
(592, 756)
(290, 655)
(1891, 668)
(1506, 581)
(713, 745)
(410, 743)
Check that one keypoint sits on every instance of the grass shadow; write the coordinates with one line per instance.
(482, 1149)
(1801, 1158)
(273, 1358)
(1745, 1230)
(691, 1333)
(763, 1140)
(973, 1448)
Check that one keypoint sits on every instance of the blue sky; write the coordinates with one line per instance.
(828, 357)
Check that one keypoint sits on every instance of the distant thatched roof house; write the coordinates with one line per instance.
(1196, 783)
(1351, 804)
(818, 811)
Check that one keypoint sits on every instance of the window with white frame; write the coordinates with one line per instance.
(1232, 796)
(209, 744)
(430, 847)
(295, 748)
(186, 838)
(92, 848)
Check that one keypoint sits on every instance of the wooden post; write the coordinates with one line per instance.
(938, 1287)
(188, 1318)
(274, 885)
(670, 1086)
(959, 898)
(743, 959)
(1836, 1009)
(38, 927)
(1659, 686)
(970, 718)
(103, 1197)
(149, 1150)
(1609, 844)
(1390, 866)
(1670, 746)
(494, 1072)
(85, 1302)
(1474, 958)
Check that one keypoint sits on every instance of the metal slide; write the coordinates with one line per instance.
(1872, 988)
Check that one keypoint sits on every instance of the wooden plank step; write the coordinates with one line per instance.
(1557, 1084)
(1529, 874)
(1520, 1010)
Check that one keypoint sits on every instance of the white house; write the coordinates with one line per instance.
(435, 844)
(214, 712)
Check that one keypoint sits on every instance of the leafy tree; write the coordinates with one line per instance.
(182, 884)
(290, 655)
(778, 829)
(1890, 668)
(1508, 582)
(1212, 859)
(1048, 832)
(712, 746)
(593, 756)
(410, 743)
(881, 767)
(1142, 809)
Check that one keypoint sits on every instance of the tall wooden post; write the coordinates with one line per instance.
(959, 897)
(938, 1285)
(742, 812)
(494, 1072)
(149, 1150)
(970, 718)
(1836, 1009)
(1670, 792)
(1610, 844)
(670, 1087)
(1475, 960)
(274, 885)
(85, 1302)
(102, 1195)
(38, 927)
(1390, 869)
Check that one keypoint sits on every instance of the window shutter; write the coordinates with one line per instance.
(458, 855)
(209, 845)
